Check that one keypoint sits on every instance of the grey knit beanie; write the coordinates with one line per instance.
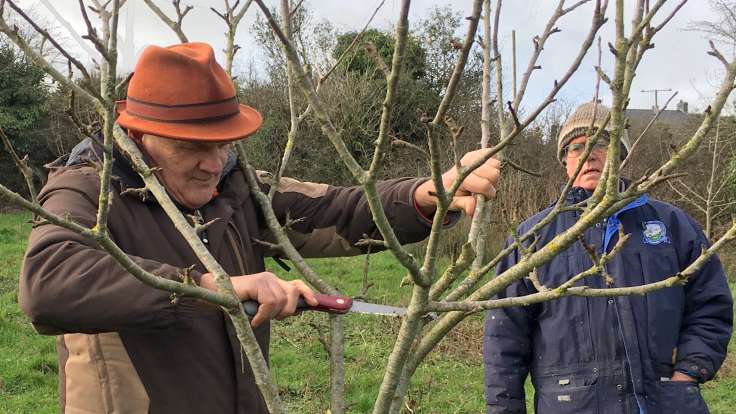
(580, 121)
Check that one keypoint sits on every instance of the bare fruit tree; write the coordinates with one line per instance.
(465, 286)
(712, 200)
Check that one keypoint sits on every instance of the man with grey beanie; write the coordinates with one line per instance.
(613, 355)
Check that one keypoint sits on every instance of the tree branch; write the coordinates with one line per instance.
(22, 165)
(242, 327)
(674, 280)
(173, 25)
(539, 42)
(462, 59)
(330, 131)
(646, 129)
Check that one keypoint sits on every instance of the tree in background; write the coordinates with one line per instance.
(439, 35)
(23, 107)
(714, 195)
(354, 91)
(723, 30)
(361, 60)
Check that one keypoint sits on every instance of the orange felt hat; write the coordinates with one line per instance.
(181, 92)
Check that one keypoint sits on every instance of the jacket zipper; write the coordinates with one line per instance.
(622, 336)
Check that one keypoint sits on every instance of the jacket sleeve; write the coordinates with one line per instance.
(69, 284)
(708, 315)
(330, 220)
(507, 347)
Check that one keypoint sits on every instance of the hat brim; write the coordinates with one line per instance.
(232, 128)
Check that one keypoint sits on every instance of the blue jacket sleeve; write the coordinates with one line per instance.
(507, 348)
(708, 315)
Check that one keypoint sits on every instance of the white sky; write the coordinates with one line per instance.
(679, 60)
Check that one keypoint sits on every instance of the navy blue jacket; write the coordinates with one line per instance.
(612, 354)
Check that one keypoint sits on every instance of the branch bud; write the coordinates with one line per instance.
(612, 49)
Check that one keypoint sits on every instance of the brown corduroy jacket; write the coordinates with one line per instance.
(124, 347)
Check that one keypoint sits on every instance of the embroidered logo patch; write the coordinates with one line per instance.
(655, 232)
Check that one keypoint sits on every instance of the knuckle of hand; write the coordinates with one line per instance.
(291, 289)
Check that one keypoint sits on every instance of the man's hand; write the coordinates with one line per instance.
(278, 298)
(483, 180)
(679, 376)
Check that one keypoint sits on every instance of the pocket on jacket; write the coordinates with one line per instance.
(566, 394)
(681, 397)
(579, 400)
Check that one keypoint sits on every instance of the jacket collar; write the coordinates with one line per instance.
(578, 194)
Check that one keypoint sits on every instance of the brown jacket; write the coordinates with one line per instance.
(124, 347)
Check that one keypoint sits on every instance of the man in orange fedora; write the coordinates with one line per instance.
(124, 347)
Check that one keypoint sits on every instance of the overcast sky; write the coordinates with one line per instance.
(678, 62)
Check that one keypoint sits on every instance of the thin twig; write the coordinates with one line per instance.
(670, 16)
(232, 18)
(401, 143)
(534, 278)
(173, 25)
(91, 31)
(296, 8)
(319, 110)
(462, 58)
(518, 167)
(22, 164)
(539, 43)
(649, 125)
(372, 52)
(715, 53)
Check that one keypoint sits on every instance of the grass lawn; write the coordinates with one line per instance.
(450, 381)
(28, 364)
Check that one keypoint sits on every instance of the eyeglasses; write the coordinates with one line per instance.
(577, 149)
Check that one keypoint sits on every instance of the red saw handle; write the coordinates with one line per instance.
(328, 303)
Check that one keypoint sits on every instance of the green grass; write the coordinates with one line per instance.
(28, 366)
(721, 392)
(450, 381)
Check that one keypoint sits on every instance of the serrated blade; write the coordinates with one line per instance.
(374, 309)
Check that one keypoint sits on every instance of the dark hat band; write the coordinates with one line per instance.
(183, 113)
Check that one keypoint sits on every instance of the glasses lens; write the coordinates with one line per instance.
(602, 143)
(575, 150)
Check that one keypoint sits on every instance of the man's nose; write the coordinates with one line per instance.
(211, 163)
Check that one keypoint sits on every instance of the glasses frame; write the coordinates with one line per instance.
(600, 147)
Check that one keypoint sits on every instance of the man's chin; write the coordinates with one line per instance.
(590, 183)
(195, 200)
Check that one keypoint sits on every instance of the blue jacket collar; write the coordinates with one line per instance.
(578, 194)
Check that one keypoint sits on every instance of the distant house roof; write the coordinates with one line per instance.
(668, 116)
(675, 119)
